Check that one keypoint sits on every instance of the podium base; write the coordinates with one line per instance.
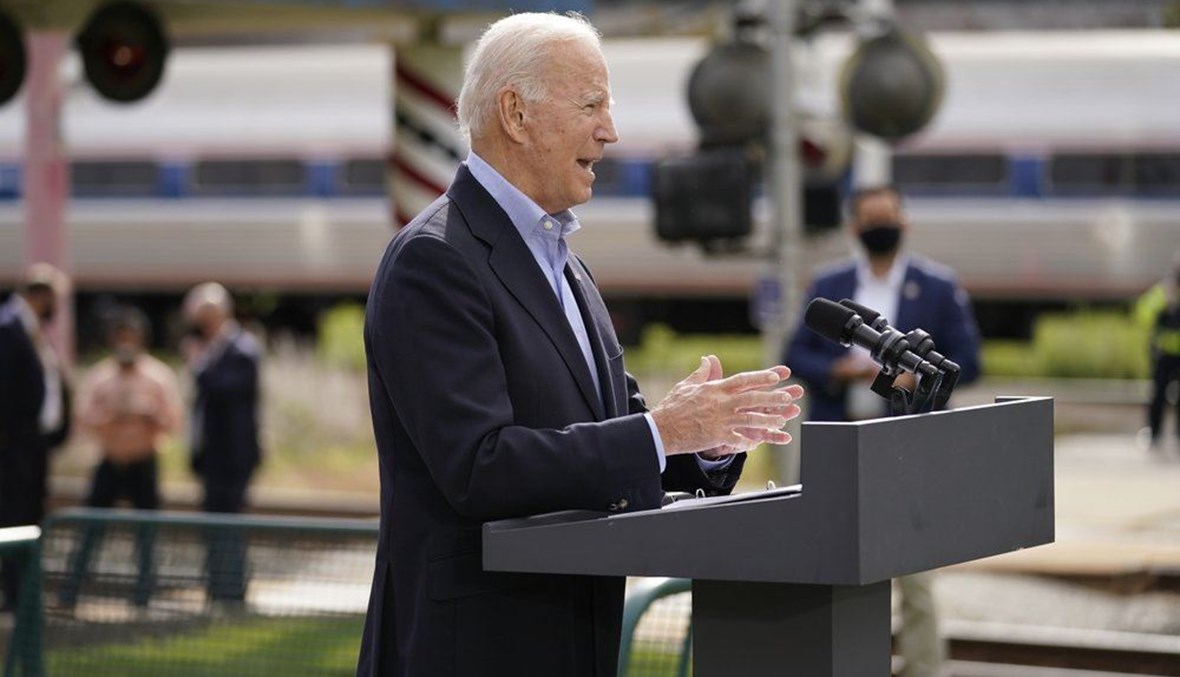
(757, 629)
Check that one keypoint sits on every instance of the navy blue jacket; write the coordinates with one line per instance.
(24, 447)
(484, 409)
(931, 299)
(227, 399)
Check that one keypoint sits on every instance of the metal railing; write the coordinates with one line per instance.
(125, 592)
(145, 592)
(20, 545)
(657, 633)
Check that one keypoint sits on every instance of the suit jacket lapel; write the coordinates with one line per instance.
(597, 321)
(909, 301)
(513, 263)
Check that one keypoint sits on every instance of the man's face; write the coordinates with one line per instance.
(126, 345)
(568, 130)
(205, 318)
(44, 305)
(878, 223)
(877, 209)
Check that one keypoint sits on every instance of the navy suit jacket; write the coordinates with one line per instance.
(227, 399)
(484, 408)
(24, 447)
(931, 299)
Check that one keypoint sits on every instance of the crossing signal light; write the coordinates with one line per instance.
(124, 49)
(12, 58)
(891, 86)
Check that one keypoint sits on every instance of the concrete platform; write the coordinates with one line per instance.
(1118, 511)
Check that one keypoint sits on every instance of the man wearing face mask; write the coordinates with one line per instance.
(223, 359)
(912, 293)
(34, 404)
(129, 402)
(1159, 311)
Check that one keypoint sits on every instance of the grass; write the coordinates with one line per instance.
(652, 662)
(278, 646)
(271, 646)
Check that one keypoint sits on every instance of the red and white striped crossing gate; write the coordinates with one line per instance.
(427, 146)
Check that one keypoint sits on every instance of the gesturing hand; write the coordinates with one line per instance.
(726, 415)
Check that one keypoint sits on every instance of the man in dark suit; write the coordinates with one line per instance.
(34, 405)
(498, 389)
(223, 359)
(911, 292)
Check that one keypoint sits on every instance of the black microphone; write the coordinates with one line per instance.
(888, 348)
(920, 341)
(870, 316)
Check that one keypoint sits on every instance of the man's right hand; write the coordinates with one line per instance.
(854, 367)
(703, 413)
(192, 348)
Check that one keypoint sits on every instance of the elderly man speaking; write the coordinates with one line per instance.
(497, 385)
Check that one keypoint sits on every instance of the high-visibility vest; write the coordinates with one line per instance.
(1166, 338)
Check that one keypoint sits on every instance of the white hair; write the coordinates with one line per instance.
(513, 52)
(208, 294)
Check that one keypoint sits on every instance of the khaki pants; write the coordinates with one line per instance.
(922, 648)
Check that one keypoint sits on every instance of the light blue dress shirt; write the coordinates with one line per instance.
(545, 234)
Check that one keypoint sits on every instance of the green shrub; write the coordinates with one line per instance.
(1082, 344)
(664, 351)
(1090, 344)
(340, 336)
(1010, 359)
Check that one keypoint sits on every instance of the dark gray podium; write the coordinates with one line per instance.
(796, 582)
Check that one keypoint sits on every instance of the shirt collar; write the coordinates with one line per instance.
(893, 279)
(28, 318)
(528, 217)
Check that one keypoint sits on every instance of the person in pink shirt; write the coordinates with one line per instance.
(128, 404)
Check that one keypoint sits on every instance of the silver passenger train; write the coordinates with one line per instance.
(1051, 172)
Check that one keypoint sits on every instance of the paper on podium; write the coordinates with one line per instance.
(734, 498)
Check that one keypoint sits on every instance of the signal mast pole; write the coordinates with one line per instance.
(871, 159)
(46, 191)
(786, 206)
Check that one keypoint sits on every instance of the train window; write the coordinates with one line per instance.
(114, 178)
(980, 171)
(1156, 173)
(364, 176)
(251, 177)
(1105, 172)
(1126, 173)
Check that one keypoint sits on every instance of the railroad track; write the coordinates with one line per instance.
(984, 649)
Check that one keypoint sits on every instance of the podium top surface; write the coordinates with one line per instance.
(879, 499)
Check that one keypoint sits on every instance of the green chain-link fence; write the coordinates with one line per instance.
(19, 546)
(149, 593)
(134, 593)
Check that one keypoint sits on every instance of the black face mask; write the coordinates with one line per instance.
(881, 238)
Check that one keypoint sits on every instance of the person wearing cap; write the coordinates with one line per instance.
(34, 404)
(129, 402)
